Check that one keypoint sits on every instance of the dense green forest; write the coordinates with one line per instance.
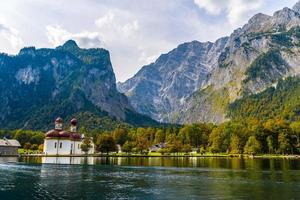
(280, 102)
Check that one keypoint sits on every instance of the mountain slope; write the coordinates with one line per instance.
(38, 85)
(161, 88)
(280, 101)
(250, 60)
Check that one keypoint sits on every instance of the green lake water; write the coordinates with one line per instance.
(149, 178)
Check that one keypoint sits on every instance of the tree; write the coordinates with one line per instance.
(142, 144)
(283, 143)
(150, 134)
(184, 134)
(252, 146)
(127, 147)
(235, 145)
(295, 126)
(174, 146)
(22, 136)
(159, 136)
(41, 148)
(120, 136)
(215, 140)
(86, 145)
(105, 143)
(34, 147)
(27, 146)
(38, 139)
(186, 148)
(270, 142)
(202, 150)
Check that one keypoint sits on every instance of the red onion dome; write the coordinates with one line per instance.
(52, 134)
(64, 134)
(59, 120)
(76, 136)
(74, 122)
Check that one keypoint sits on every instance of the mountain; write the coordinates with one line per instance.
(162, 87)
(197, 82)
(37, 85)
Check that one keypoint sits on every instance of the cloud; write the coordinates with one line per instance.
(236, 11)
(117, 24)
(57, 36)
(10, 39)
(214, 7)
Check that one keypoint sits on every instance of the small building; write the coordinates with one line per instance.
(157, 147)
(9, 147)
(61, 142)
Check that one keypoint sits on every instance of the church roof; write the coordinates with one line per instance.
(63, 135)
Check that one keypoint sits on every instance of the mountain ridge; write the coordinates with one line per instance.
(250, 60)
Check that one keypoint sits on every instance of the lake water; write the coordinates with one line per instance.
(149, 178)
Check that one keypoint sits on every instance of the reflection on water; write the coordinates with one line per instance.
(8, 159)
(211, 162)
(150, 178)
(64, 160)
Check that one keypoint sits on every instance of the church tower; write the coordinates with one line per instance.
(58, 124)
(74, 125)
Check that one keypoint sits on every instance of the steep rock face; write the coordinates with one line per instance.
(39, 84)
(256, 56)
(250, 60)
(160, 89)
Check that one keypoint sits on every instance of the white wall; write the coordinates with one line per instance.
(64, 147)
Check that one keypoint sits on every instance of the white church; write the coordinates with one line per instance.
(60, 142)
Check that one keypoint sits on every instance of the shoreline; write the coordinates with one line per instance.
(168, 156)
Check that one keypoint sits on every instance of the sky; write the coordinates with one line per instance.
(135, 32)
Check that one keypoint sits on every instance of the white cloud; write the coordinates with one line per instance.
(10, 39)
(235, 10)
(214, 7)
(57, 36)
(117, 24)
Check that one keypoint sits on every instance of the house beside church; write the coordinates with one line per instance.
(9, 147)
(62, 142)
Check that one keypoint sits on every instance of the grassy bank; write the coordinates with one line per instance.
(216, 155)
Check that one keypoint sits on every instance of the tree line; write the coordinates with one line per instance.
(28, 139)
(250, 137)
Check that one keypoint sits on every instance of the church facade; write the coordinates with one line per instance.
(61, 142)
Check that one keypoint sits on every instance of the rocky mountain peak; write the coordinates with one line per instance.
(296, 7)
(27, 51)
(70, 44)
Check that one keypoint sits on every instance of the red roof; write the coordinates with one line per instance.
(74, 122)
(52, 134)
(63, 135)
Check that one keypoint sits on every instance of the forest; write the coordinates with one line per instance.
(274, 136)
